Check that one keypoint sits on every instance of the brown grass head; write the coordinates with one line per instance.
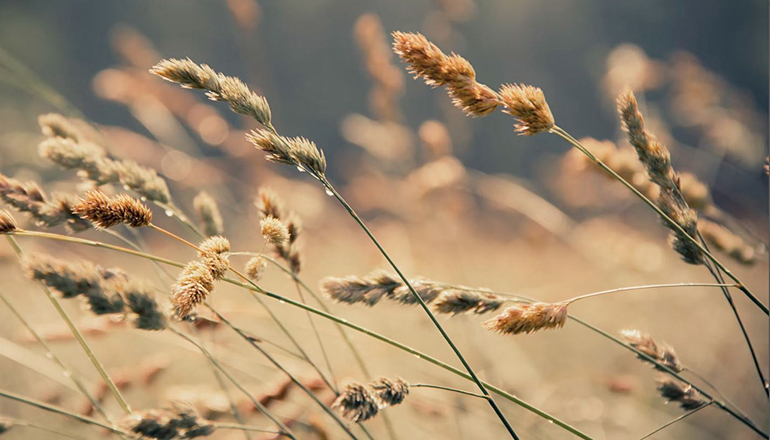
(529, 318)
(105, 212)
(274, 231)
(214, 253)
(461, 301)
(296, 151)
(684, 394)
(255, 268)
(528, 105)
(674, 206)
(7, 222)
(645, 343)
(356, 403)
(178, 421)
(353, 289)
(208, 213)
(192, 287)
(144, 181)
(427, 61)
(390, 392)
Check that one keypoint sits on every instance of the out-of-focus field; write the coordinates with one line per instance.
(452, 199)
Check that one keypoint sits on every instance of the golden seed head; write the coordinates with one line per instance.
(218, 264)
(255, 268)
(684, 394)
(390, 392)
(296, 151)
(662, 353)
(145, 181)
(274, 231)
(105, 212)
(308, 155)
(192, 287)
(208, 213)
(462, 301)
(356, 403)
(427, 61)
(214, 245)
(7, 222)
(529, 318)
(528, 105)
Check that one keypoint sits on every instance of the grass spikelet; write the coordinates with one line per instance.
(7, 222)
(218, 86)
(214, 245)
(274, 231)
(208, 213)
(105, 212)
(192, 287)
(56, 125)
(461, 301)
(684, 394)
(179, 421)
(255, 268)
(427, 61)
(390, 392)
(529, 318)
(141, 302)
(356, 403)
(672, 204)
(528, 105)
(87, 157)
(296, 151)
(352, 289)
(29, 198)
(662, 353)
(144, 181)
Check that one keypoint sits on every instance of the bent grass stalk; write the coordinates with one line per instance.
(254, 289)
(742, 287)
(682, 417)
(81, 340)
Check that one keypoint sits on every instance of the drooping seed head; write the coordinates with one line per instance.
(356, 403)
(528, 105)
(105, 212)
(208, 213)
(277, 147)
(645, 343)
(7, 222)
(255, 268)
(673, 205)
(684, 394)
(192, 287)
(529, 318)
(367, 290)
(274, 230)
(390, 392)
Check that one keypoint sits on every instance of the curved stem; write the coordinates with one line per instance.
(454, 390)
(285, 371)
(422, 303)
(682, 417)
(566, 136)
(235, 382)
(78, 336)
(220, 425)
(650, 286)
(58, 410)
(253, 289)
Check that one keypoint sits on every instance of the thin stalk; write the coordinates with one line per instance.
(454, 390)
(682, 417)
(566, 136)
(318, 338)
(285, 430)
(424, 306)
(59, 410)
(650, 286)
(81, 340)
(716, 390)
(285, 371)
(242, 427)
(51, 355)
(718, 277)
(253, 289)
(26, 424)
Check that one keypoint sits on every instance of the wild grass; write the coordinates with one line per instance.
(124, 198)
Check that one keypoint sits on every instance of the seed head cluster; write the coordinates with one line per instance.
(427, 61)
(359, 403)
(684, 394)
(528, 105)
(271, 206)
(660, 352)
(529, 318)
(178, 421)
(208, 213)
(7, 222)
(105, 212)
(46, 211)
(196, 281)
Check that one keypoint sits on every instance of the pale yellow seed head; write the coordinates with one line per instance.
(274, 231)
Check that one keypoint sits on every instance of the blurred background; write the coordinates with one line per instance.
(453, 199)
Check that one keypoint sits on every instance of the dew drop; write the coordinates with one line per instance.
(67, 374)
(125, 187)
(329, 192)
(169, 213)
(49, 355)
(550, 421)
(301, 170)
(143, 198)
(281, 302)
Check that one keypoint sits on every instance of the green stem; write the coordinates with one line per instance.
(454, 390)
(285, 371)
(81, 340)
(67, 371)
(566, 136)
(253, 289)
(424, 306)
(235, 382)
(58, 410)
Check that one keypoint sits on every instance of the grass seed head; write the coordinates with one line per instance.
(105, 212)
(356, 403)
(274, 231)
(390, 392)
(528, 105)
(529, 318)
(7, 222)
(208, 213)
